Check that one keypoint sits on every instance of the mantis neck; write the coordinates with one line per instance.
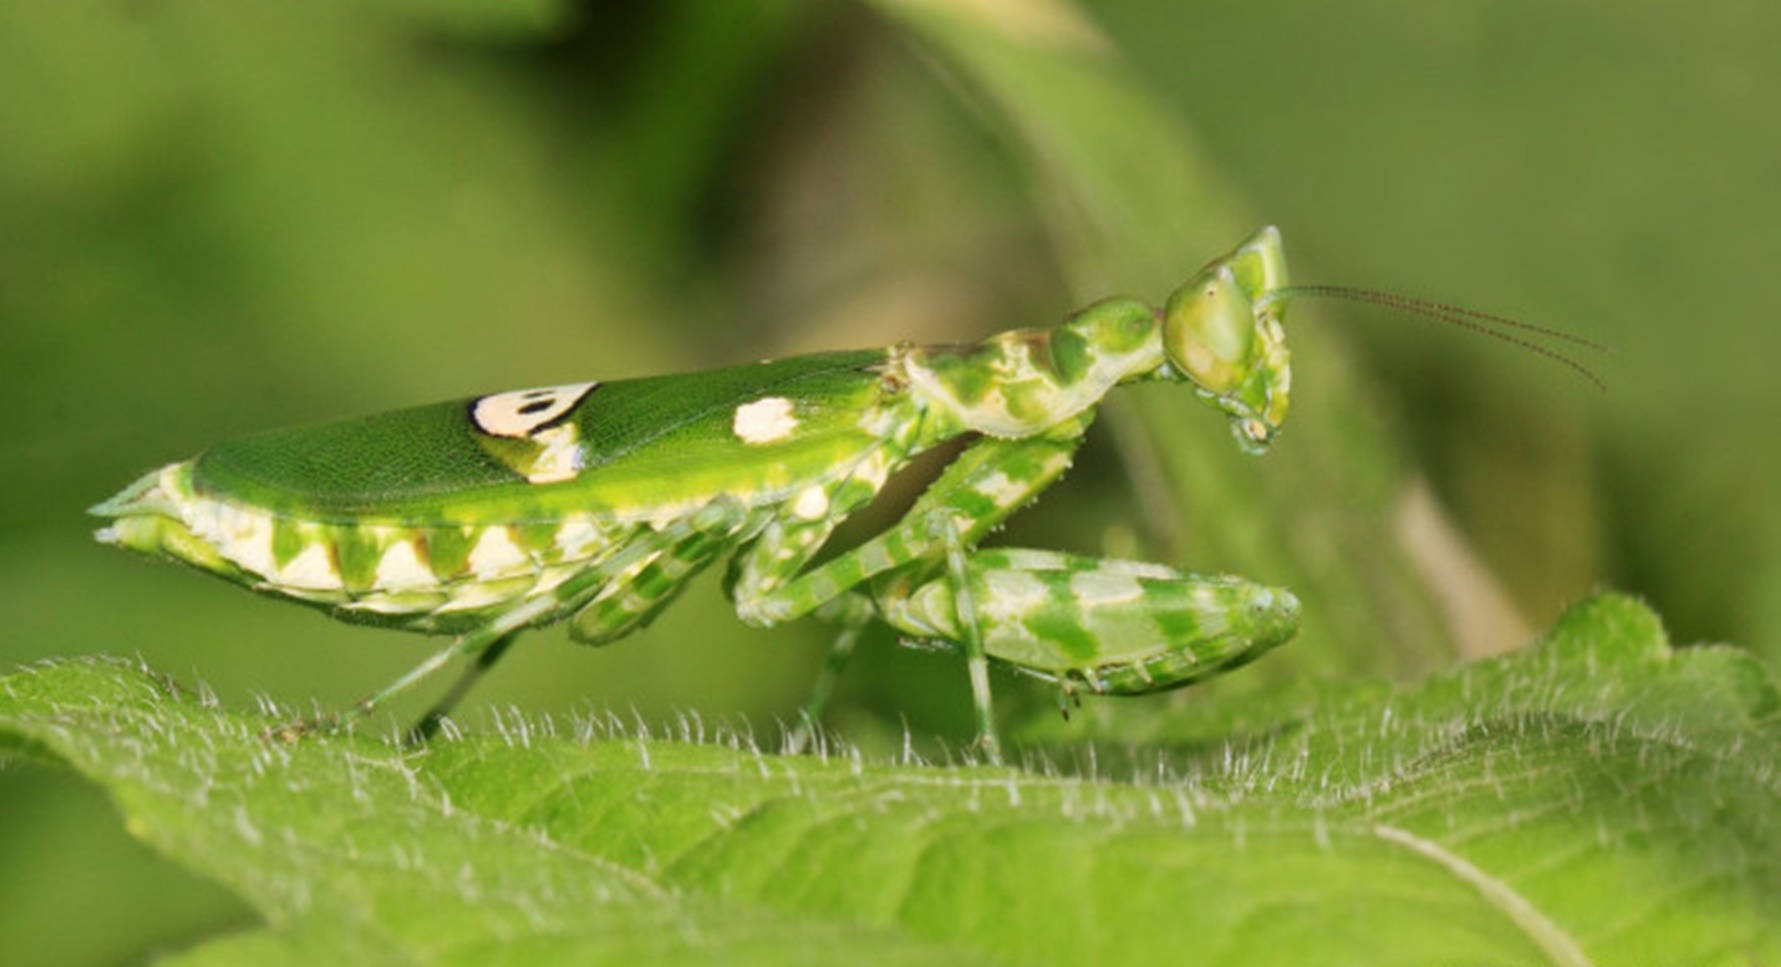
(1020, 382)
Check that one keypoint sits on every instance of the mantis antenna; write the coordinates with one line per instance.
(1483, 323)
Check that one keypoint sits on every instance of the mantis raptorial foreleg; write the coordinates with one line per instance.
(977, 491)
(1106, 626)
(970, 637)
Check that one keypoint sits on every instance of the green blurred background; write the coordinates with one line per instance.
(216, 218)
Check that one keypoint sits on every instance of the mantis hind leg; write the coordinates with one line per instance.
(427, 725)
(501, 629)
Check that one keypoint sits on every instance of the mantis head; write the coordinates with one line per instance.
(1221, 331)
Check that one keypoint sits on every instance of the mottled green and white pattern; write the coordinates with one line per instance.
(1114, 627)
(596, 501)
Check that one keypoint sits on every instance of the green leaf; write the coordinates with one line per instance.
(1600, 798)
(354, 852)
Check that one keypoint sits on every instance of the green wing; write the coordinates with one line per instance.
(623, 446)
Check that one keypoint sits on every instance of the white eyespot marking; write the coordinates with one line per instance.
(520, 413)
(765, 420)
(811, 504)
(560, 459)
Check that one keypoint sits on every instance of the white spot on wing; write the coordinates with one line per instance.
(560, 459)
(518, 413)
(765, 420)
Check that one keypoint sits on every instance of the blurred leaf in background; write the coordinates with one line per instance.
(220, 218)
(1592, 166)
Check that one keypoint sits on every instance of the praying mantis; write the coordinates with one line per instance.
(596, 502)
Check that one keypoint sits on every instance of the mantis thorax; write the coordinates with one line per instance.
(1218, 333)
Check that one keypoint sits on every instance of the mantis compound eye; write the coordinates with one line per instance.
(1209, 330)
(1222, 332)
